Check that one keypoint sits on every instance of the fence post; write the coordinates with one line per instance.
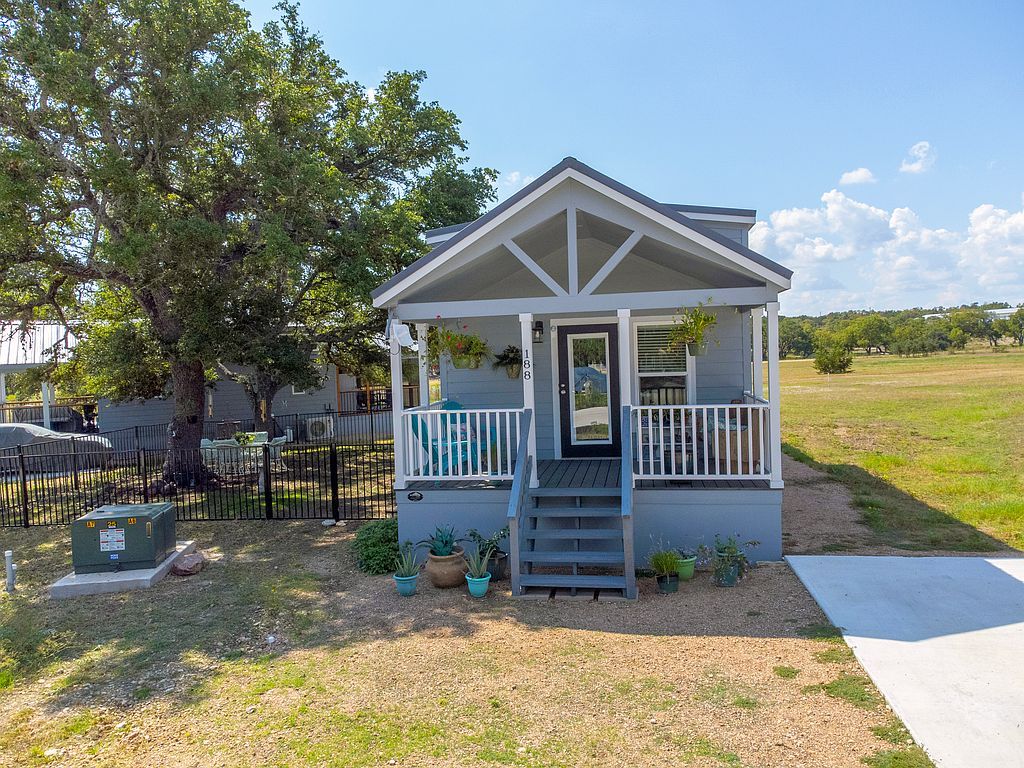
(268, 497)
(74, 463)
(23, 482)
(335, 505)
(145, 480)
(369, 401)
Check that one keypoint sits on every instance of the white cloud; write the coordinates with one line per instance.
(857, 176)
(516, 180)
(847, 255)
(920, 158)
(370, 94)
(512, 182)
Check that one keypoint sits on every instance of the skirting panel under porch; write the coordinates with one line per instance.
(689, 518)
(678, 517)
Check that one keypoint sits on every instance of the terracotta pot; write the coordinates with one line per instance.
(447, 571)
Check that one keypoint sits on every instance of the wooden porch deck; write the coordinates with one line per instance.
(584, 474)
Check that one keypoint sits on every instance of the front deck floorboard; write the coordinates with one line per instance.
(584, 473)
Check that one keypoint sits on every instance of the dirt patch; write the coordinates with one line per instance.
(281, 653)
(819, 517)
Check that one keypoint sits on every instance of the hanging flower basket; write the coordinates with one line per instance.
(466, 361)
(514, 371)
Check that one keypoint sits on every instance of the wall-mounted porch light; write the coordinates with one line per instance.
(538, 331)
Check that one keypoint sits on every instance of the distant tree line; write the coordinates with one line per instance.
(831, 339)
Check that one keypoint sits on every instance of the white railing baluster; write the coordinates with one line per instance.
(474, 443)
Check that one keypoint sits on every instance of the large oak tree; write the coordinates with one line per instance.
(168, 154)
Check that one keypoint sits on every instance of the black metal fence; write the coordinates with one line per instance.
(315, 480)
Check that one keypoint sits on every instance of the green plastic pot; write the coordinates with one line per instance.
(406, 585)
(686, 565)
(478, 587)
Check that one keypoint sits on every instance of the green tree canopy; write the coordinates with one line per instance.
(172, 154)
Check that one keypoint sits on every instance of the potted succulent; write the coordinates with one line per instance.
(478, 578)
(730, 563)
(687, 563)
(665, 564)
(407, 571)
(445, 561)
(511, 359)
(691, 328)
(498, 562)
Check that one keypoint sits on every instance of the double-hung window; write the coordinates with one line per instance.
(662, 369)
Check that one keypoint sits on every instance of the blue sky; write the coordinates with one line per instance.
(758, 105)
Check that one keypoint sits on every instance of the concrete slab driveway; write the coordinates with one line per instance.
(943, 639)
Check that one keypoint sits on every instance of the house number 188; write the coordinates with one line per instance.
(527, 364)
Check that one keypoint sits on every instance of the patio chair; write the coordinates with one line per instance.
(445, 451)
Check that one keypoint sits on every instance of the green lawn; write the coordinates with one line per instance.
(932, 447)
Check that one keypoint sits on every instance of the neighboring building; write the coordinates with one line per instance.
(32, 346)
(611, 440)
(227, 402)
(999, 313)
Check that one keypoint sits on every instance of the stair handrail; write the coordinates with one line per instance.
(516, 497)
(626, 483)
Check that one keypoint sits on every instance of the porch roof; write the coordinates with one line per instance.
(389, 292)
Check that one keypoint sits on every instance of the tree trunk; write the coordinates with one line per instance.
(184, 464)
(261, 395)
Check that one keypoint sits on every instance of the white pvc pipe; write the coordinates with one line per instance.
(11, 569)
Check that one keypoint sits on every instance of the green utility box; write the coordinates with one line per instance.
(123, 537)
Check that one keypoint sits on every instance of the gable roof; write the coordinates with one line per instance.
(424, 263)
(439, 234)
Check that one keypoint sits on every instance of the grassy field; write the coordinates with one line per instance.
(932, 447)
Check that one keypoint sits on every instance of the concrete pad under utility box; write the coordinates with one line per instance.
(78, 584)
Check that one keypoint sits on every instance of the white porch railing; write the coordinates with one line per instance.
(440, 443)
(701, 441)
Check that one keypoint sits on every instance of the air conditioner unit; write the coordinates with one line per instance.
(320, 428)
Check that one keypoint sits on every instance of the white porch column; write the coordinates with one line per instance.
(774, 391)
(421, 339)
(529, 401)
(397, 406)
(3, 397)
(625, 363)
(46, 394)
(757, 374)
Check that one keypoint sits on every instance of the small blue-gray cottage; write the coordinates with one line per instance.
(611, 440)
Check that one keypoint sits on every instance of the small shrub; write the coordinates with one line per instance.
(376, 546)
(833, 359)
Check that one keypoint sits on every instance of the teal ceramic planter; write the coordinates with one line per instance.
(686, 566)
(478, 587)
(406, 585)
(727, 572)
(668, 583)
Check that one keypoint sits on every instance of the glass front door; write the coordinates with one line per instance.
(588, 388)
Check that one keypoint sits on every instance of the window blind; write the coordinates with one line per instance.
(653, 354)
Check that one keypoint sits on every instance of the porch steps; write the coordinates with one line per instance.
(577, 534)
(565, 492)
(603, 511)
(581, 556)
(555, 581)
(572, 544)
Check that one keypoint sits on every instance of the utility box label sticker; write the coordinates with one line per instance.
(112, 540)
